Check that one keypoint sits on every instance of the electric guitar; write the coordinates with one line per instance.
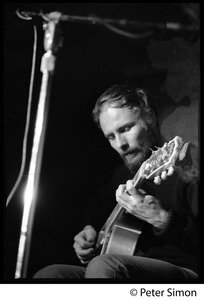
(121, 232)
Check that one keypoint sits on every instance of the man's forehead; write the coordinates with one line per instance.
(113, 117)
(112, 111)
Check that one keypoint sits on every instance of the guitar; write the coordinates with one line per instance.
(121, 232)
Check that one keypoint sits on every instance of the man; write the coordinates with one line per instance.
(167, 249)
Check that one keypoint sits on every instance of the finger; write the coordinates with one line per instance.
(132, 191)
(84, 261)
(150, 200)
(83, 253)
(124, 200)
(157, 180)
(129, 202)
(89, 233)
(82, 242)
(164, 175)
(170, 171)
(121, 188)
(88, 254)
(121, 201)
(121, 192)
(130, 188)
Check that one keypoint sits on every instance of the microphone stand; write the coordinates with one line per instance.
(51, 44)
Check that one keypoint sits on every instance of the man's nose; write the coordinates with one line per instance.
(121, 143)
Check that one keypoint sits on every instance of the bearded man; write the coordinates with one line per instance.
(167, 249)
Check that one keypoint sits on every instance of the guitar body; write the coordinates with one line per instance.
(123, 236)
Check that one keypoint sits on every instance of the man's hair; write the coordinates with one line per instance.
(123, 95)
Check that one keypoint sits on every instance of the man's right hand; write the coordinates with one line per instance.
(84, 243)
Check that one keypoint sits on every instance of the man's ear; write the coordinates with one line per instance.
(151, 117)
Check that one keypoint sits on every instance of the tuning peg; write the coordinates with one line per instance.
(183, 150)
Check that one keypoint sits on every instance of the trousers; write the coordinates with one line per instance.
(139, 269)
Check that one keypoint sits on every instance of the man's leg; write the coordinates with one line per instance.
(140, 269)
(60, 271)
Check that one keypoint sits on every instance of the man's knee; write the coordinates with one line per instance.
(47, 272)
(100, 267)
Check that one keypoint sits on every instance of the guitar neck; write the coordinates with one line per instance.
(137, 179)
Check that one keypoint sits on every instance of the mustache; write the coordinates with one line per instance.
(131, 151)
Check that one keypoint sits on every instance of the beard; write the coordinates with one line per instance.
(148, 139)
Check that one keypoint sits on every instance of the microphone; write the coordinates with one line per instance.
(27, 15)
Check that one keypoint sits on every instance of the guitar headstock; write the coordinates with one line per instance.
(162, 159)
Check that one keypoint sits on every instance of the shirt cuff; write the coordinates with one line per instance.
(165, 225)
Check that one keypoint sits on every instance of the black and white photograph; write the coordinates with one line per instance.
(101, 145)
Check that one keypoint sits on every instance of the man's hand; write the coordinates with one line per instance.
(84, 243)
(141, 205)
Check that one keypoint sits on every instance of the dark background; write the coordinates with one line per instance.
(77, 160)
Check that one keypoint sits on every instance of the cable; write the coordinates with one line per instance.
(27, 120)
(23, 16)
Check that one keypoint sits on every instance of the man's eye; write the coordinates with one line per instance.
(127, 128)
(110, 137)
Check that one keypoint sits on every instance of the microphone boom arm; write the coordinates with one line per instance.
(93, 19)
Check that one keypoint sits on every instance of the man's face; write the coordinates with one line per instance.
(128, 134)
